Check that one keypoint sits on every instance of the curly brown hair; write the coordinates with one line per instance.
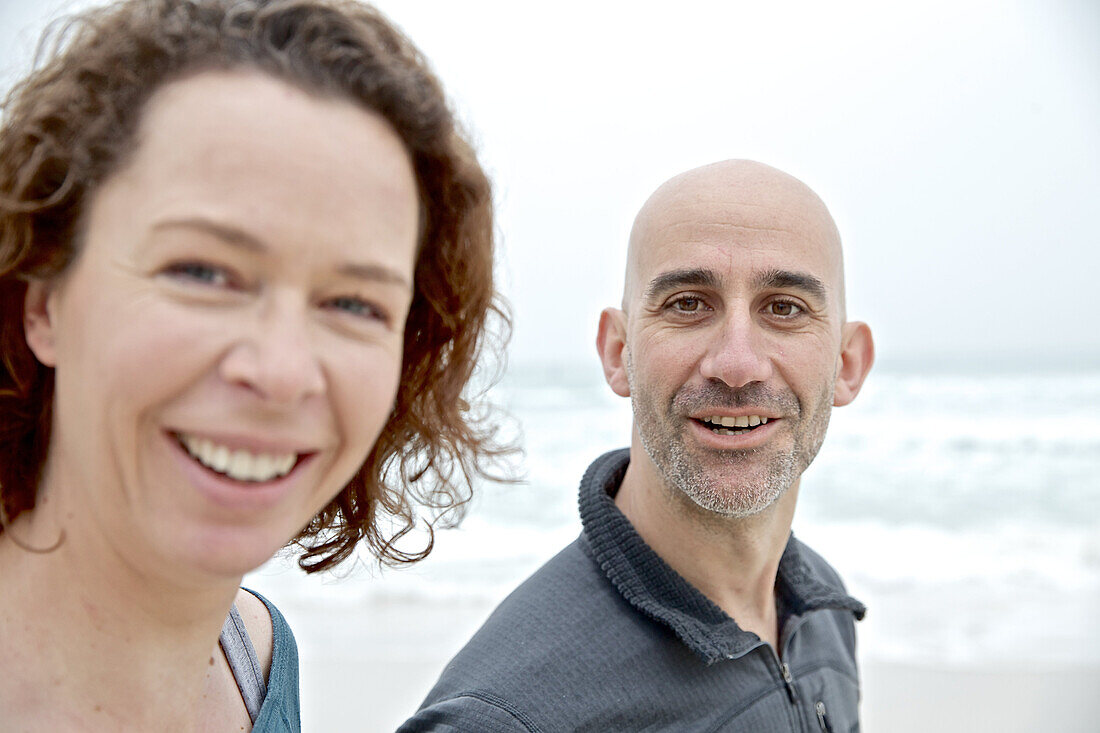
(67, 128)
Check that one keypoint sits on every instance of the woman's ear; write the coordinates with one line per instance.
(38, 321)
(857, 354)
(610, 343)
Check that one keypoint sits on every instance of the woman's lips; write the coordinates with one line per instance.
(252, 482)
(240, 464)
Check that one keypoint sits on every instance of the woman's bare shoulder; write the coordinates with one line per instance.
(257, 620)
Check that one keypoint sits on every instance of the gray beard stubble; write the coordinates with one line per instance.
(692, 477)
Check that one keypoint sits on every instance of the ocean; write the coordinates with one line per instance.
(963, 509)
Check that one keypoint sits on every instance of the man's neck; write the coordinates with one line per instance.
(732, 561)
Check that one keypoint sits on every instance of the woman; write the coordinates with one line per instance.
(245, 270)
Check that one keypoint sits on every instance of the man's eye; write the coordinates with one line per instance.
(784, 309)
(199, 272)
(687, 305)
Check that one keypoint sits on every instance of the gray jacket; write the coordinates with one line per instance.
(607, 637)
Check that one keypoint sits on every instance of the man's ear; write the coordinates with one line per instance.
(610, 343)
(857, 354)
(38, 321)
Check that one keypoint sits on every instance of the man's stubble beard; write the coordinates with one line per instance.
(696, 476)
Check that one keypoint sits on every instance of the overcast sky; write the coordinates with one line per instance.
(957, 144)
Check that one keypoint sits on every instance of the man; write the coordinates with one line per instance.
(686, 604)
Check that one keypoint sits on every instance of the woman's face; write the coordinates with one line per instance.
(228, 343)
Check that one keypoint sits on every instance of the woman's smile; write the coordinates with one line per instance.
(248, 482)
(243, 460)
(241, 465)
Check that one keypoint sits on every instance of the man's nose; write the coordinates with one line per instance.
(276, 356)
(738, 352)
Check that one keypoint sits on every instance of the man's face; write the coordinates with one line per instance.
(733, 338)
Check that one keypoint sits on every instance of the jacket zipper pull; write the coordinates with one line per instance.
(788, 681)
(822, 719)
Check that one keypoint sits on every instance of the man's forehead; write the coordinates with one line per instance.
(739, 210)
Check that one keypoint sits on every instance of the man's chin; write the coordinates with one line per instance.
(739, 504)
(733, 486)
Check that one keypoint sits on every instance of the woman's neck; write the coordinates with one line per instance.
(98, 644)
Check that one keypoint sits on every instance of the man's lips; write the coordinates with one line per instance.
(733, 421)
(749, 428)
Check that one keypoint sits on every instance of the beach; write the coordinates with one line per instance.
(970, 529)
(366, 666)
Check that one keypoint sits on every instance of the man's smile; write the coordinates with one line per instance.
(732, 425)
(714, 432)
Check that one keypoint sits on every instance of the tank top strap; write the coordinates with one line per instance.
(243, 661)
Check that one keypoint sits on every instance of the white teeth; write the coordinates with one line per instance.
(744, 421)
(219, 458)
(727, 431)
(239, 464)
(286, 464)
(263, 466)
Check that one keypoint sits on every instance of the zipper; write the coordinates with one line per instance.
(822, 718)
(788, 682)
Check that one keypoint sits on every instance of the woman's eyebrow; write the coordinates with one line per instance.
(229, 234)
(375, 273)
(237, 237)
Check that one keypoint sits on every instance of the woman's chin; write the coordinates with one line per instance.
(225, 553)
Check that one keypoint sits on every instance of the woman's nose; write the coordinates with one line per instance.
(276, 356)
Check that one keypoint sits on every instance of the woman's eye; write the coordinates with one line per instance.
(357, 307)
(200, 272)
(784, 309)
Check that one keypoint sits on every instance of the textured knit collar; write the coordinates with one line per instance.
(649, 584)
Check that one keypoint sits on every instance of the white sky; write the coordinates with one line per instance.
(957, 144)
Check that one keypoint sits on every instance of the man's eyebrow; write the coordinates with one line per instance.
(786, 279)
(679, 278)
(236, 237)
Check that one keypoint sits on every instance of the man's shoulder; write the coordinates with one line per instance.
(553, 610)
(548, 641)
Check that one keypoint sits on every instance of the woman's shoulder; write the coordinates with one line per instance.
(258, 622)
(278, 654)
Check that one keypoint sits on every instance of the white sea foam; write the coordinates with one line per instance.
(965, 512)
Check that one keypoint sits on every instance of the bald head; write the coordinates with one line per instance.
(738, 201)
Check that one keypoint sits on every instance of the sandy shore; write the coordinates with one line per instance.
(904, 698)
(367, 664)
(367, 668)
